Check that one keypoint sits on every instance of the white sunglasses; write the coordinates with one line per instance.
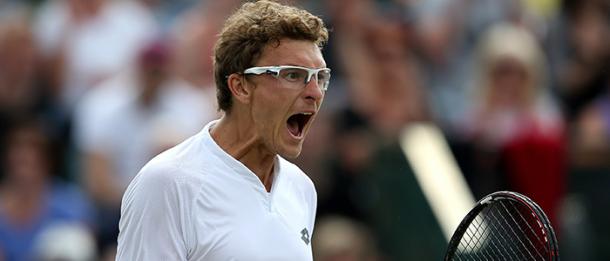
(294, 76)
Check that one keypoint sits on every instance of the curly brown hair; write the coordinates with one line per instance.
(250, 29)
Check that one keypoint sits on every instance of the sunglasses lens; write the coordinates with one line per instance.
(323, 78)
(296, 75)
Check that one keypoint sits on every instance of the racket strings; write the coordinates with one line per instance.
(499, 242)
(503, 231)
(476, 236)
(518, 234)
(529, 231)
(476, 241)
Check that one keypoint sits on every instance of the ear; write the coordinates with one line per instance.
(240, 89)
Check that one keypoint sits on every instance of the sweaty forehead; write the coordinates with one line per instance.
(292, 52)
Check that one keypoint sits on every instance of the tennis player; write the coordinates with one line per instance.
(228, 193)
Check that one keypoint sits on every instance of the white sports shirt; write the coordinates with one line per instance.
(196, 202)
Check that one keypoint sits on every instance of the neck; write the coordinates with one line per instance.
(244, 144)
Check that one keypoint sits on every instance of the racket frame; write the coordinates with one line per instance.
(547, 229)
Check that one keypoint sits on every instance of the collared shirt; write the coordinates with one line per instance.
(196, 202)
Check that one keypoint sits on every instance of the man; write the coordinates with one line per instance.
(227, 193)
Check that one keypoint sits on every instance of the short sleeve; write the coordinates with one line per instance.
(154, 216)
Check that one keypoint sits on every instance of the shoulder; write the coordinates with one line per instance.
(296, 176)
(176, 169)
(157, 206)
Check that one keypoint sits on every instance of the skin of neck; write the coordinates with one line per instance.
(236, 134)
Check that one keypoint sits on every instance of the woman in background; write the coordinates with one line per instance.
(515, 129)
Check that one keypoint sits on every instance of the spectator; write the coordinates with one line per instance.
(515, 128)
(18, 55)
(85, 42)
(30, 199)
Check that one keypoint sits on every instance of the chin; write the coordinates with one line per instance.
(290, 153)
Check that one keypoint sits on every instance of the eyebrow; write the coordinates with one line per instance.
(292, 64)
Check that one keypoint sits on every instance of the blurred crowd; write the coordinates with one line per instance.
(90, 90)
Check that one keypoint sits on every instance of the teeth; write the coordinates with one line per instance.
(307, 113)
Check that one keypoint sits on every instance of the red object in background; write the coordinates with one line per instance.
(536, 167)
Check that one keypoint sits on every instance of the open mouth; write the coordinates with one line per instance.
(297, 122)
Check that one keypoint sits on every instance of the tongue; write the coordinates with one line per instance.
(293, 126)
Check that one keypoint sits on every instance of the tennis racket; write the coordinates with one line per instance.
(504, 226)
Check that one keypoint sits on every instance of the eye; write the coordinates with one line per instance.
(323, 76)
(293, 75)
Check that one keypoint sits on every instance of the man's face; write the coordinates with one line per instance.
(281, 113)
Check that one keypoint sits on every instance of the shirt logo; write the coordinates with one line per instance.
(305, 236)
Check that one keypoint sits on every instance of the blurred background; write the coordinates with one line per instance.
(520, 89)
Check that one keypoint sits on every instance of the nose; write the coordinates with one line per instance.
(313, 91)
